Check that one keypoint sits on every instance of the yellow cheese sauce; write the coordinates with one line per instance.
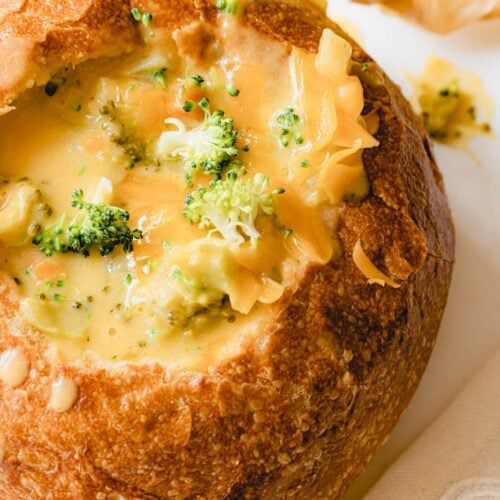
(98, 128)
(453, 102)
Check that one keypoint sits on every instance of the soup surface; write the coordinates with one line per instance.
(155, 205)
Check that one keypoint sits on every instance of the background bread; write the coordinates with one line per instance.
(302, 410)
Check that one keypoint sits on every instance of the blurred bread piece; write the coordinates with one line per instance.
(443, 16)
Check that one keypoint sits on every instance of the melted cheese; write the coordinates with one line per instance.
(453, 102)
(64, 394)
(126, 307)
(340, 180)
(17, 213)
(14, 367)
(322, 4)
(334, 56)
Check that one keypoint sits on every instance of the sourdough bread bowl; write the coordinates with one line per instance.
(187, 358)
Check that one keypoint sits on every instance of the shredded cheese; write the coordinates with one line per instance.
(332, 102)
(322, 4)
(366, 266)
(334, 56)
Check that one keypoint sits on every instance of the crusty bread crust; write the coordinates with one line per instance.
(40, 37)
(301, 411)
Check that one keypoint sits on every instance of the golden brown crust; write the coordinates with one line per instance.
(38, 38)
(300, 413)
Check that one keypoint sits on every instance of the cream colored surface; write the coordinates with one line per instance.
(119, 307)
(458, 456)
(14, 367)
(63, 395)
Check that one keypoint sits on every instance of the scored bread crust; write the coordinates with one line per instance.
(303, 408)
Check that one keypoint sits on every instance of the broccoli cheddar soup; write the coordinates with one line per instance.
(154, 206)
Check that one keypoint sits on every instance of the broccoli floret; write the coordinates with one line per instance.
(209, 147)
(188, 106)
(101, 226)
(231, 206)
(121, 134)
(290, 126)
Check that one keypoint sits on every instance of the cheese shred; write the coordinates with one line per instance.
(366, 266)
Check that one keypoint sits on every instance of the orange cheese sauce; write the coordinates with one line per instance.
(111, 307)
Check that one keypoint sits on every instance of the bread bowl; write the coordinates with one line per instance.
(291, 385)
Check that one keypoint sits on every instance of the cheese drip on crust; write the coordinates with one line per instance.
(163, 202)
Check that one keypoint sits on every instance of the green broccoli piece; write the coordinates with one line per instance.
(196, 80)
(122, 134)
(291, 126)
(192, 284)
(188, 106)
(229, 6)
(209, 147)
(141, 17)
(159, 77)
(101, 226)
(233, 91)
(231, 205)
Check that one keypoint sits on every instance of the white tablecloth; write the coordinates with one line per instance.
(458, 456)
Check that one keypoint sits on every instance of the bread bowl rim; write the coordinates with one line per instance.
(441, 249)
